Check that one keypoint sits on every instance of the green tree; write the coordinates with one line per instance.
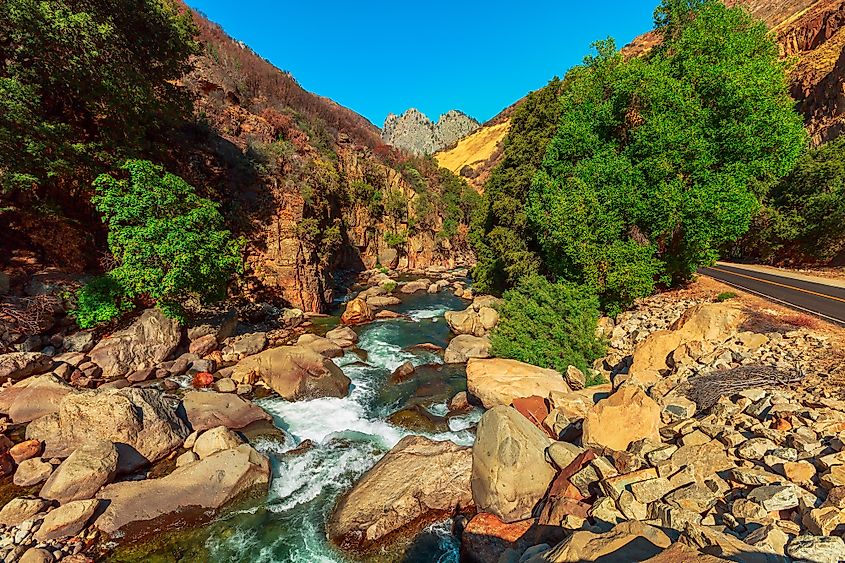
(503, 243)
(659, 161)
(84, 84)
(547, 324)
(169, 243)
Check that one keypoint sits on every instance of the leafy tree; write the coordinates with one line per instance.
(396, 205)
(500, 236)
(169, 244)
(84, 84)
(548, 324)
(659, 161)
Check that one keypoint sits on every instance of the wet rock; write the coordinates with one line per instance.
(343, 336)
(207, 409)
(209, 483)
(510, 474)
(146, 342)
(386, 502)
(402, 373)
(418, 419)
(67, 520)
(81, 475)
(459, 403)
(626, 416)
(498, 381)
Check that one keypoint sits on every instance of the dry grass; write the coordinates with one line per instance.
(474, 149)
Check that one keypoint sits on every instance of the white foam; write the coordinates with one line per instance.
(428, 313)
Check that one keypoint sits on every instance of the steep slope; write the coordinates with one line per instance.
(416, 133)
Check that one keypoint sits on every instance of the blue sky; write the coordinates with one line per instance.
(378, 57)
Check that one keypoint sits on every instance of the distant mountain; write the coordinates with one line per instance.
(414, 132)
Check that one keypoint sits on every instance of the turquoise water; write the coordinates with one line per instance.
(350, 435)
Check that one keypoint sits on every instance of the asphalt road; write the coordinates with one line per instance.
(825, 301)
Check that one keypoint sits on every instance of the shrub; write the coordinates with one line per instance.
(725, 296)
(395, 240)
(547, 324)
(389, 287)
(169, 244)
(396, 205)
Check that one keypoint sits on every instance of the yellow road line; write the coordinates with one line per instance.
(779, 284)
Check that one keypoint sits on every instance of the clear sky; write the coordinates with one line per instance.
(379, 57)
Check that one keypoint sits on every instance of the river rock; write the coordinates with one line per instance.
(509, 470)
(18, 365)
(33, 397)
(142, 425)
(499, 381)
(459, 402)
(321, 345)
(379, 301)
(463, 347)
(66, 520)
(215, 440)
(343, 336)
(357, 312)
(209, 483)
(386, 501)
(31, 472)
(81, 341)
(243, 346)
(207, 409)
(81, 475)
(203, 345)
(486, 538)
(36, 555)
(25, 450)
(475, 320)
(627, 541)
(294, 372)
(415, 286)
(19, 509)
(221, 326)
(626, 416)
(146, 342)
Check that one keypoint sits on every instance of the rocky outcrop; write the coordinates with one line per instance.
(498, 381)
(510, 474)
(234, 472)
(628, 541)
(385, 502)
(294, 372)
(417, 134)
(147, 341)
(18, 365)
(142, 425)
(477, 320)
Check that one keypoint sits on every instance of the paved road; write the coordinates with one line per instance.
(822, 300)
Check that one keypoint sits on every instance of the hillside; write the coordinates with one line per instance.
(416, 133)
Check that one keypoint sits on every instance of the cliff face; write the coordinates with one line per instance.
(414, 132)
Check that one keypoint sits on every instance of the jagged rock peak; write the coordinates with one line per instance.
(416, 133)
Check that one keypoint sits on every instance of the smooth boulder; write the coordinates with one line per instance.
(510, 474)
(34, 397)
(463, 347)
(294, 372)
(627, 541)
(418, 482)
(321, 345)
(81, 475)
(215, 440)
(207, 409)
(476, 320)
(209, 483)
(498, 381)
(149, 340)
(18, 365)
(626, 416)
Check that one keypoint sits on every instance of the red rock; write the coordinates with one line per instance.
(402, 373)
(486, 537)
(202, 379)
(535, 409)
(25, 450)
(561, 486)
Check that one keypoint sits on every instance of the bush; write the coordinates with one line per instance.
(169, 243)
(547, 324)
(396, 205)
(725, 296)
(395, 240)
(389, 287)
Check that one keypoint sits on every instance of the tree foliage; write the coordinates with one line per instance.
(169, 244)
(84, 84)
(547, 324)
(659, 161)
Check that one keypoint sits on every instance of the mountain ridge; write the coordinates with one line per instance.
(416, 133)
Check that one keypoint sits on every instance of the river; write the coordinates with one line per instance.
(349, 435)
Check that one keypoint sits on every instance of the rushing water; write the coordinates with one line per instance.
(349, 436)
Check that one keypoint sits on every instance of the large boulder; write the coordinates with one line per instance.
(627, 541)
(510, 474)
(19, 509)
(215, 440)
(66, 520)
(419, 481)
(710, 322)
(477, 319)
(415, 286)
(149, 340)
(497, 381)
(625, 416)
(81, 475)
(379, 301)
(343, 336)
(294, 372)
(357, 312)
(18, 365)
(207, 409)
(209, 483)
(142, 425)
(463, 347)
(33, 397)
(219, 325)
(321, 345)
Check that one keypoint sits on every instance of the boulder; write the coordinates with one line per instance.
(142, 425)
(209, 483)
(357, 312)
(379, 301)
(31, 472)
(626, 416)
(81, 341)
(415, 286)
(385, 501)
(215, 440)
(818, 549)
(34, 397)
(149, 340)
(627, 541)
(240, 347)
(343, 336)
(459, 402)
(66, 520)
(19, 509)
(203, 345)
(321, 345)
(711, 322)
(18, 365)
(207, 409)
(486, 538)
(294, 372)
(475, 321)
(510, 474)
(221, 326)
(25, 450)
(463, 347)
(498, 381)
(81, 475)
(575, 378)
